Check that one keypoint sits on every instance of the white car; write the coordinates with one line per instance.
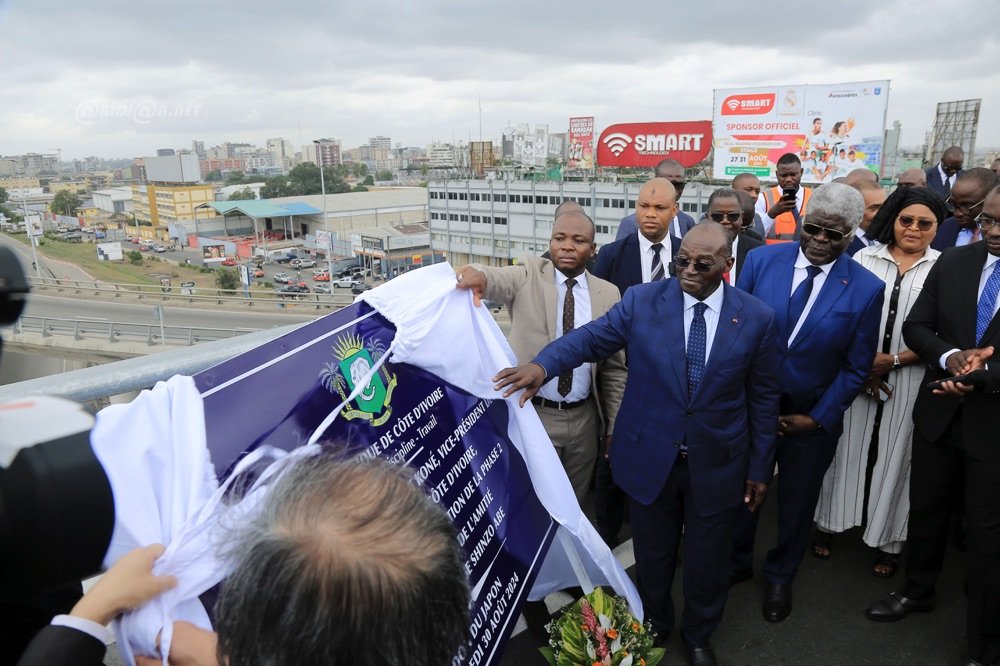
(347, 282)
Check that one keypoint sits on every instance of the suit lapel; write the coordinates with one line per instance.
(633, 262)
(835, 285)
(549, 295)
(726, 334)
(670, 313)
(783, 272)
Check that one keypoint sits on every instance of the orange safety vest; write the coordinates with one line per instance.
(785, 229)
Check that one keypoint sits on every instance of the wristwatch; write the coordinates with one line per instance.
(896, 365)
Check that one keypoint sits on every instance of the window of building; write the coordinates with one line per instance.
(515, 198)
(502, 199)
(463, 196)
(464, 218)
(500, 220)
(453, 217)
(603, 229)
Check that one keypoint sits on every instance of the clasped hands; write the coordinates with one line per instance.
(962, 363)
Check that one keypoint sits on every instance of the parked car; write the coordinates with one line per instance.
(282, 278)
(257, 272)
(159, 249)
(321, 277)
(360, 288)
(346, 282)
(306, 263)
(293, 290)
(228, 261)
(322, 288)
(284, 258)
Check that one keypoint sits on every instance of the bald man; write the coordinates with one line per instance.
(912, 178)
(941, 178)
(672, 171)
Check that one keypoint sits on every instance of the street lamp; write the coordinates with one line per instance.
(24, 213)
(326, 222)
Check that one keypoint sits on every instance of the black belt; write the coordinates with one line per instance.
(552, 404)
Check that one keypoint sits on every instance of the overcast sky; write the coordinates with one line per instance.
(121, 79)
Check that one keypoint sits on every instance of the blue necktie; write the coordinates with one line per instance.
(797, 303)
(697, 341)
(987, 303)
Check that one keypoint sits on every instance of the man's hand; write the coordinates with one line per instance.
(190, 646)
(529, 377)
(954, 388)
(128, 584)
(467, 277)
(793, 424)
(753, 495)
(881, 365)
(782, 205)
(965, 361)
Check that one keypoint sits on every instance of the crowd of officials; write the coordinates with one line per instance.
(837, 336)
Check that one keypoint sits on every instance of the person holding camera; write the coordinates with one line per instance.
(781, 208)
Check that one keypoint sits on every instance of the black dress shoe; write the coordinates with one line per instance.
(701, 656)
(739, 575)
(896, 607)
(777, 601)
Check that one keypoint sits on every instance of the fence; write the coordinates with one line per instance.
(152, 334)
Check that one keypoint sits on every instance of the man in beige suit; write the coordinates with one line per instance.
(547, 298)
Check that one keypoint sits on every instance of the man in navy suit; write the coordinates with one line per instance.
(828, 312)
(681, 222)
(965, 204)
(874, 197)
(643, 256)
(697, 423)
(941, 178)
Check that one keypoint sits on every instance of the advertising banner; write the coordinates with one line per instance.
(833, 128)
(213, 253)
(109, 251)
(581, 143)
(647, 144)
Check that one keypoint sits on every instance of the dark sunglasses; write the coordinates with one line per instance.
(728, 217)
(907, 221)
(681, 263)
(835, 235)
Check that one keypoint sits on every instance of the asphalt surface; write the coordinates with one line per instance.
(827, 624)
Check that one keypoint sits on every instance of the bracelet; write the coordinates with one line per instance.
(896, 365)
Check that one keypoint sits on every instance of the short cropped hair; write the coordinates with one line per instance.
(983, 178)
(838, 200)
(723, 193)
(789, 158)
(348, 562)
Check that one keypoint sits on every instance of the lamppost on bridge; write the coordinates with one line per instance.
(326, 222)
(24, 212)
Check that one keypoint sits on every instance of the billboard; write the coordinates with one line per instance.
(833, 128)
(109, 251)
(212, 253)
(581, 143)
(646, 144)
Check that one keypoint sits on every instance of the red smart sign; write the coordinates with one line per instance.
(646, 144)
(748, 105)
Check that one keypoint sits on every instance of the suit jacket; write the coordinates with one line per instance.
(856, 246)
(730, 422)
(826, 365)
(935, 182)
(944, 318)
(628, 225)
(947, 235)
(744, 243)
(529, 292)
(619, 262)
(58, 645)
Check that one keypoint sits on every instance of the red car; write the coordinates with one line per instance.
(321, 277)
(229, 261)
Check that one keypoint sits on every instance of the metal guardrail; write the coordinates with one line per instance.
(152, 334)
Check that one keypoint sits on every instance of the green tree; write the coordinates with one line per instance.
(65, 202)
(359, 188)
(243, 194)
(277, 186)
(359, 169)
(213, 176)
(3, 196)
(134, 257)
(227, 279)
(234, 178)
(384, 174)
(368, 180)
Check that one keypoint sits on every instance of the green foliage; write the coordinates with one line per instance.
(359, 169)
(384, 174)
(368, 180)
(226, 278)
(3, 195)
(243, 194)
(359, 188)
(234, 178)
(134, 257)
(305, 179)
(65, 202)
(213, 176)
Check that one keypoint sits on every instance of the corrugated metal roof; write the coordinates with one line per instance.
(258, 208)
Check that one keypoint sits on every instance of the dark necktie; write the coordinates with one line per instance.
(947, 186)
(987, 303)
(797, 304)
(697, 341)
(569, 314)
(656, 270)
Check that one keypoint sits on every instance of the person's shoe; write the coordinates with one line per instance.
(737, 576)
(777, 601)
(701, 656)
(895, 607)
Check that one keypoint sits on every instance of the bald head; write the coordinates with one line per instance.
(953, 152)
(912, 178)
(711, 234)
(862, 175)
(655, 208)
(568, 206)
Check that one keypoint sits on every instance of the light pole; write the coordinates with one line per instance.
(24, 214)
(326, 222)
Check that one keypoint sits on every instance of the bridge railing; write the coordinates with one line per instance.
(110, 331)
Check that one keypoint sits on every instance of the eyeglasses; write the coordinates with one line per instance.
(835, 235)
(986, 223)
(728, 217)
(954, 207)
(681, 263)
(906, 221)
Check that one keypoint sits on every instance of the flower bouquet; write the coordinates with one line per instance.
(599, 630)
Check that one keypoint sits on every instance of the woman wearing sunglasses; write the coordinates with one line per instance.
(868, 482)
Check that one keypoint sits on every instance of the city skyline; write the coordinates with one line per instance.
(116, 80)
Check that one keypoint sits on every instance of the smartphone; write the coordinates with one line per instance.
(971, 379)
(789, 192)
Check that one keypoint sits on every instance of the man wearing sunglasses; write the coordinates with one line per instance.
(828, 313)
(672, 171)
(750, 184)
(965, 204)
(954, 328)
(695, 433)
(942, 177)
(724, 208)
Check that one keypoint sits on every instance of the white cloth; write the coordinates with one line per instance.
(581, 317)
(841, 501)
(646, 256)
(714, 303)
(798, 277)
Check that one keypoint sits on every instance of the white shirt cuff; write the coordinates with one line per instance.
(98, 631)
(944, 358)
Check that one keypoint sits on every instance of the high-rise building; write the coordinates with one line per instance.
(199, 148)
(380, 142)
(324, 152)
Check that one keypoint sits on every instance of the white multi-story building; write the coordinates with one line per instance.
(495, 222)
(113, 199)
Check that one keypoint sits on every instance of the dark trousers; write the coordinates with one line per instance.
(802, 463)
(609, 502)
(938, 470)
(656, 536)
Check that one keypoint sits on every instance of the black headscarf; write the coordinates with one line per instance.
(881, 228)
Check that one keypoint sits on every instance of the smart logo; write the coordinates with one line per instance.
(617, 142)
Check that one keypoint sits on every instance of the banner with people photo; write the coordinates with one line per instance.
(581, 143)
(833, 128)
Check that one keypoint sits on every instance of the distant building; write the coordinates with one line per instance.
(29, 164)
(481, 156)
(114, 200)
(380, 142)
(161, 205)
(173, 169)
(224, 165)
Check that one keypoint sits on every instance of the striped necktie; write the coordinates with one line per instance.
(569, 315)
(656, 271)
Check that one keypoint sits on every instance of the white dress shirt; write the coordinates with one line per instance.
(798, 278)
(581, 317)
(761, 208)
(965, 237)
(646, 256)
(945, 178)
(714, 303)
(983, 277)
(98, 631)
(732, 271)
